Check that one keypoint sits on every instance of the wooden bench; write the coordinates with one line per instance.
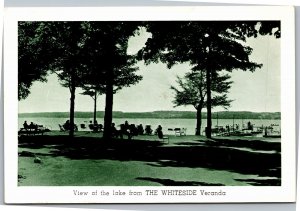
(33, 131)
(24, 131)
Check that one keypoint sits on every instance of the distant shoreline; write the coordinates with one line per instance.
(160, 115)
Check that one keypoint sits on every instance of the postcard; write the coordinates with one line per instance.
(149, 105)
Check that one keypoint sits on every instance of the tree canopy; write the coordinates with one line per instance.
(211, 46)
(82, 54)
(32, 57)
(93, 55)
(192, 91)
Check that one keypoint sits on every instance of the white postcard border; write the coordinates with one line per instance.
(284, 193)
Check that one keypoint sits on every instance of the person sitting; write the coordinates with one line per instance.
(94, 126)
(125, 130)
(25, 125)
(32, 126)
(67, 125)
(133, 130)
(91, 126)
(148, 130)
(126, 126)
(100, 127)
(140, 129)
(160, 133)
(114, 131)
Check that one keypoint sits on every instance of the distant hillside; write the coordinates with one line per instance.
(161, 115)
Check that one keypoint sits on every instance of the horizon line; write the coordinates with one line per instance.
(147, 111)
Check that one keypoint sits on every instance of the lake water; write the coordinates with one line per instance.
(190, 124)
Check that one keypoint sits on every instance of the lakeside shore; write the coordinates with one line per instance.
(89, 160)
(160, 115)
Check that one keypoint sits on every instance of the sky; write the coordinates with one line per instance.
(257, 92)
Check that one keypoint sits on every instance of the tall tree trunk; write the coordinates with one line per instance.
(72, 105)
(108, 105)
(199, 121)
(95, 107)
(208, 92)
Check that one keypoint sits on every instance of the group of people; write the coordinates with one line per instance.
(95, 126)
(127, 129)
(67, 126)
(131, 130)
(31, 126)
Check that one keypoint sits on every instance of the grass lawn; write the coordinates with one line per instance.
(88, 160)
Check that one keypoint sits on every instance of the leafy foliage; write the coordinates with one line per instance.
(210, 46)
(106, 47)
(178, 42)
(105, 51)
(32, 58)
(90, 55)
(192, 90)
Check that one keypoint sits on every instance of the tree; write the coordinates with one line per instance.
(109, 67)
(121, 75)
(93, 82)
(82, 54)
(32, 58)
(69, 42)
(192, 91)
(93, 92)
(211, 46)
(55, 47)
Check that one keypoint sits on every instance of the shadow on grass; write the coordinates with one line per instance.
(169, 182)
(261, 182)
(251, 144)
(207, 155)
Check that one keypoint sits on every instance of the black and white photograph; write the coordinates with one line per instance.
(161, 107)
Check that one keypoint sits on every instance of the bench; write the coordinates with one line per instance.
(33, 131)
(24, 131)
